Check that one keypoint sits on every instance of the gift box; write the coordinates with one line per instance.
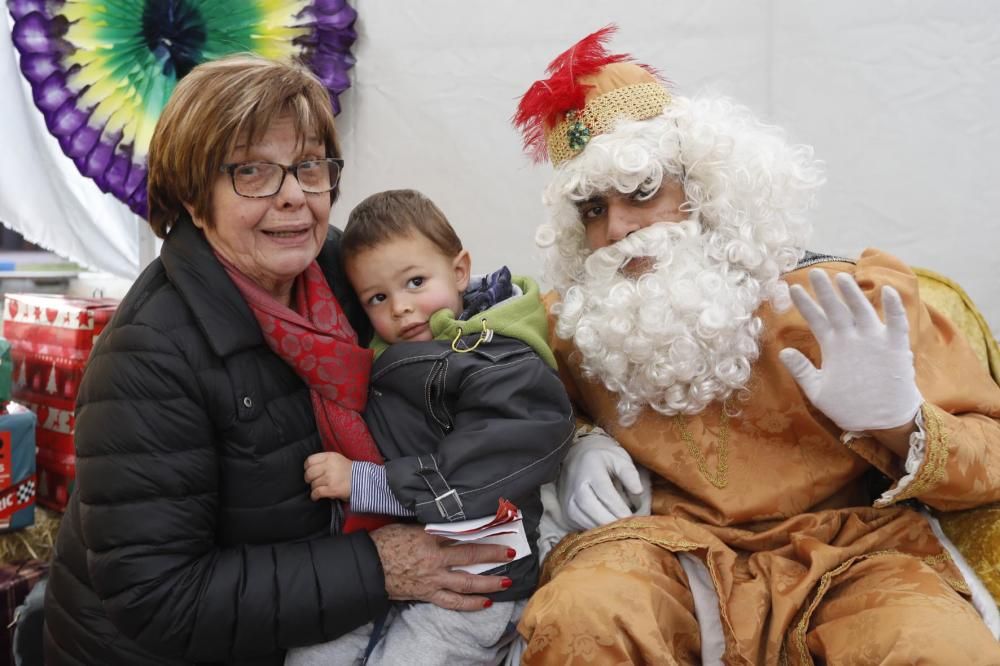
(55, 456)
(55, 482)
(16, 581)
(51, 338)
(55, 325)
(17, 470)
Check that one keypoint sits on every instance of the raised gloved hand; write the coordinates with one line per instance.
(599, 483)
(867, 380)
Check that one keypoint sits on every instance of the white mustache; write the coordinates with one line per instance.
(657, 241)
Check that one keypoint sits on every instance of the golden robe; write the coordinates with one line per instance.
(781, 512)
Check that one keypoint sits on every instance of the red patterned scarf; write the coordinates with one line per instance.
(318, 342)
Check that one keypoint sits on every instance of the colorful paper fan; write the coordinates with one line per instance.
(102, 70)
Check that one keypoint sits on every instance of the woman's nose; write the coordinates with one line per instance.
(291, 193)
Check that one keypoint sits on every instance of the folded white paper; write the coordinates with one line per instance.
(495, 530)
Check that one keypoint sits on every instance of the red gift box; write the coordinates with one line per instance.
(56, 456)
(55, 325)
(55, 483)
(51, 337)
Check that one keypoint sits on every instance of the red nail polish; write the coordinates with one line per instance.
(511, 553)
(506, 582)
(487, 603)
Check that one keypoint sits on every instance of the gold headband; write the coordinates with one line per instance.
(601, 114)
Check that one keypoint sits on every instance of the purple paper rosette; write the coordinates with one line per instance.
(101, 72)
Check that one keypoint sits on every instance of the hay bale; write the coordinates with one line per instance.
(33, 542)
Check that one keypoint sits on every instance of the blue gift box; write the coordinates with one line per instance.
(17, 470)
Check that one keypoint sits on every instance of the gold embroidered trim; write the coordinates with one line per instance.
(730, 635)
(639, 101)
(799, 634)
(573, 544)
(957, 584)
(933, 561)
(935, 459)
(720, 478)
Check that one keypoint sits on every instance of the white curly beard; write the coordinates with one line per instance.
(680, 336)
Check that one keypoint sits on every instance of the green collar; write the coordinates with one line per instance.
(521, 316)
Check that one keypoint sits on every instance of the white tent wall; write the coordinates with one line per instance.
(900, 99)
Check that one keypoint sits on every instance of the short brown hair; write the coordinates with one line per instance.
(393, 214)
(218, 104)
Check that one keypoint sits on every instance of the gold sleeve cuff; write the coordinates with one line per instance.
(932, 470)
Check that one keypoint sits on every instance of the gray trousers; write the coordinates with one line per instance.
(422, 634)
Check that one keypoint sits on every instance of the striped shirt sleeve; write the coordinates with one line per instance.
(370, 492)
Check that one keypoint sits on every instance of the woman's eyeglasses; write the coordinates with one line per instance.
(257, 180)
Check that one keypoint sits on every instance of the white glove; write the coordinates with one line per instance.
(552, 525)
(866, 381)
(600, 484)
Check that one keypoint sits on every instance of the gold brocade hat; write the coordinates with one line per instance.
(587, 93)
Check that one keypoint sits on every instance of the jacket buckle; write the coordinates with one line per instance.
(450, 498)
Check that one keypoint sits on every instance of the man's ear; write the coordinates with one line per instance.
(463, 269)
(190, 211)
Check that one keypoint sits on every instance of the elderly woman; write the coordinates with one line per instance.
(191, 536)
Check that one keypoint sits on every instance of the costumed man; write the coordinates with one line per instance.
(791, 449)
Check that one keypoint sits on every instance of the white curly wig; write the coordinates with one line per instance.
(685, 334)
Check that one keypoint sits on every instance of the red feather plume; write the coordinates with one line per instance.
(548, 100)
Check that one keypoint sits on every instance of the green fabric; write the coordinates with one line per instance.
(6, 367)
(522, 317)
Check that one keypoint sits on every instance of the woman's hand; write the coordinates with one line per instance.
(417, 567)
(329, 474)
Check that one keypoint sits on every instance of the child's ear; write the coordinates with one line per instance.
(463, 269)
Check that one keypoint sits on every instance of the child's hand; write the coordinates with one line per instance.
(329, 474)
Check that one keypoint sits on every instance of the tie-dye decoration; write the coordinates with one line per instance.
(101, 71)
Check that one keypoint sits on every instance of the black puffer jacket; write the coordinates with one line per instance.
(190, 536)
(461, 430)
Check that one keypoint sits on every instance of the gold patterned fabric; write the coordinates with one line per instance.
(976, 533)
(802, 562)
(946, 296)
